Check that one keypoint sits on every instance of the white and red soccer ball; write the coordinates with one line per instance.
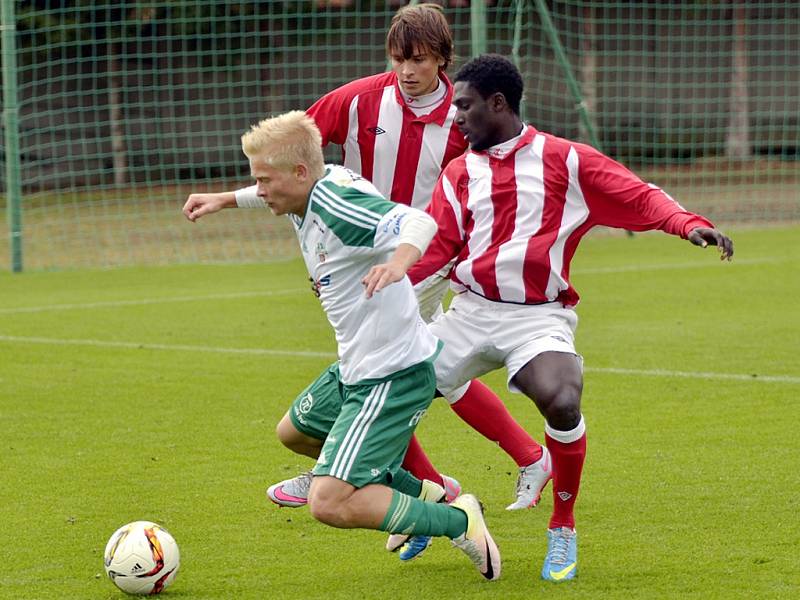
(141, 558)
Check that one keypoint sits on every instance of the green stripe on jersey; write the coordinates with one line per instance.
(351, 214)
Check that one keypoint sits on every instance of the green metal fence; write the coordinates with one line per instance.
(115, 111)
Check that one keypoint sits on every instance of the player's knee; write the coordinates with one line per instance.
(287, 433)
(563, 408)
(328, 508)
(322, 510)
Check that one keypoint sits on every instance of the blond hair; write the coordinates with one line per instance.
(420, 27)
(286, 141)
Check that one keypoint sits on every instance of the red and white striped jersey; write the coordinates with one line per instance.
(513, 220)
(383, 140)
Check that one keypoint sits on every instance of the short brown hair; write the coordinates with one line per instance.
(424, 26)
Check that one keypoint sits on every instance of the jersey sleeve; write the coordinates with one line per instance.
(248, 197)
(331, 113)
(352, 208)
(446, 209)
(388, 232)
(616, 197)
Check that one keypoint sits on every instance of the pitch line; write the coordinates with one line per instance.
(144, 301)
(671, 266)
(695, 375)
(235, 295)
(179, 347)
(331, 355)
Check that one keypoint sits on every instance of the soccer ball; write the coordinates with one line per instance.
(141, 558)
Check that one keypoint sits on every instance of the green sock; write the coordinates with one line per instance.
(405, 483)
(415, 517)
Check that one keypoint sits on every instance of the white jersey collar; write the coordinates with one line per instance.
(424, 105)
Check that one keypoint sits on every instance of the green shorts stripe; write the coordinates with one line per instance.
(367, 424)
(358, 430)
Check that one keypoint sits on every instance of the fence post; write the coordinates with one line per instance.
(572, 83)
(8, 26)
(477, 26)
(737, 142)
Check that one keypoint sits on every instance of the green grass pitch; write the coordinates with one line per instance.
(152, 393)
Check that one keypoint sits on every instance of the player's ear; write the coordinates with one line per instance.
(498, 102)
(301, 172)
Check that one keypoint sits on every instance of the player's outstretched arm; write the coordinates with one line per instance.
(198, 205)
(703, 236)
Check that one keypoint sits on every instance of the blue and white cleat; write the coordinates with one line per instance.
(416, 545)
(561, 562)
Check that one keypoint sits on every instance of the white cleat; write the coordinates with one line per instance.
(531, 481)
(476, 542)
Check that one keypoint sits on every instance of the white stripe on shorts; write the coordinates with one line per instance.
(358, 429)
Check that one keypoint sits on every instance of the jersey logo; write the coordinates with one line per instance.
(320, 227)
(559, 575)
(376, 130)
(322, 252)
(394, 224)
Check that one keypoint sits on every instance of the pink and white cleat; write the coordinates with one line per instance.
(291, 492)
(452, 489)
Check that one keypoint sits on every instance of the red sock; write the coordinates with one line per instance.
(567, 460)
(417, 463)
(483, 410)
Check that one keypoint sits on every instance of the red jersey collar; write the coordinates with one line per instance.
(439, 114)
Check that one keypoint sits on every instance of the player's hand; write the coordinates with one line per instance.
(379, 276)
(703, 236)
(198, 205)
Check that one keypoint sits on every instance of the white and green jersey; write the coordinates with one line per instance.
(348, 227)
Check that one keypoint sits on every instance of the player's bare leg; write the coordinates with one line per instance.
(554, 381)
(340, 504)
(295, 440)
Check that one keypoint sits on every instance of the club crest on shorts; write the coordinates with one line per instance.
(306, 404)
(415, 419)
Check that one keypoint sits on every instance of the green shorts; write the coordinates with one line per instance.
(314, 411)
(366, 426)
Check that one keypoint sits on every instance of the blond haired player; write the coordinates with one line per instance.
(361, 245)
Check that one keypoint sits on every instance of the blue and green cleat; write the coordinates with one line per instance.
(561, 562)
(415, 546)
